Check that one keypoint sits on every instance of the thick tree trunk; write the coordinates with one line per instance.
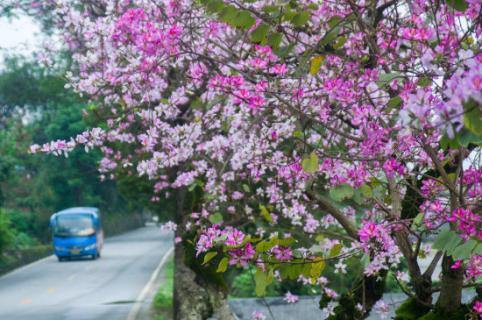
(195, 298)
(198, 292)
(451, 290)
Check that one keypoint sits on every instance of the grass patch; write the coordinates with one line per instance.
(162, 303)
(15, 258)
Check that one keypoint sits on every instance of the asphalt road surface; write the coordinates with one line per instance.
(109, 288)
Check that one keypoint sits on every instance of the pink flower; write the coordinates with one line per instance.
(392, 166)
(368, 231)
(478, 307)
(258, 315)
(235, 238)
(474, 267)
(279, 69)
(258, 63)
(467, 222)
(241, 256)
(456, 265)
(282, 252)
(291, 298)
(256, 102)
(34, 148)
(382, 309)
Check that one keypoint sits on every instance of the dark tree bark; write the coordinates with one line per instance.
(450, 299)
(366, 291)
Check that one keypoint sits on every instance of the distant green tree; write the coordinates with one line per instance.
(36, 108)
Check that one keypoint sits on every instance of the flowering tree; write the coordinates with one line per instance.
(306, 132)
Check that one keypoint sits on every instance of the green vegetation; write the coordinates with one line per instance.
(35, 107)
(163, 303)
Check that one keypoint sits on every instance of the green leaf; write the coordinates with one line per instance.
(311, 163)
(478, 249)
(209, 256)
(271, 9)
(216, 218)
(459, 5)
(265, 213)
(316, 269)
(214, 6)
(298, 134)
(243, 20)
(444, 238)
(246, 188)
(334, 21)
(335, 250)
(341, 192)
(464, 251)
(300, 19)
(424, 81)
(316, 64)
(394, 102)
(274, 39)
(259, 34)
(366, 191)
(465, 137)
(418, 219)
(385, 78)
(294, 271)
(228, 14)
(330, 36)
(284, 51)
(450, 247)
(262, 280)
(473, 117)
(340, 42)
(266, 245)
(223, 265)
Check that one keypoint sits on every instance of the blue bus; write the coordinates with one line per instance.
(77, 232)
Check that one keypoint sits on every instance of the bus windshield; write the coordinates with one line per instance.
(71, 225)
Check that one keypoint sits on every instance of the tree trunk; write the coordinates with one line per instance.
(198, 291)
(422, 284)
(194, 297)
(450, 298)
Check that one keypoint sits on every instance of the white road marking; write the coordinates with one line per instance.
(140, 298)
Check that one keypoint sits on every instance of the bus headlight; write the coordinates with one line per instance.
(90, 247)
(60, 248)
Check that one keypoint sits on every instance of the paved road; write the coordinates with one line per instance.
(84, 289)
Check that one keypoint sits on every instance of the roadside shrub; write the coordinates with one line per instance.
(6, 234)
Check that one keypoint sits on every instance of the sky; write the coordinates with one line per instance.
(18, 35)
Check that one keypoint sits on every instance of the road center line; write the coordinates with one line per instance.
(140, 298)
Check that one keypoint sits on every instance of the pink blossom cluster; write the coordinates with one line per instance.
(468, 223)
(190, 101)
(241, 256)
(376, 239)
